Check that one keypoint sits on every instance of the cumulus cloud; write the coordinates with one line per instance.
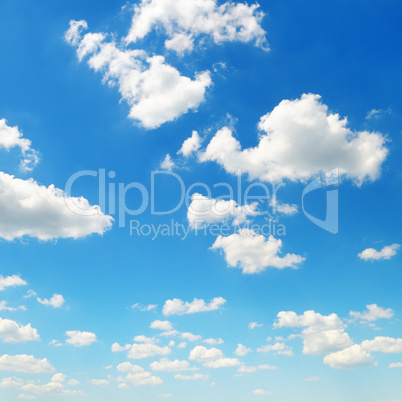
(278, 348)
(171, 365)
(127, 367)
(11, 382)
(154, 90)
(212, 342)
(371, 254)
(12, 332)
(190, 145)
(301, 139)
(25, 364)
(4, 306)
(384, 344)
(254, 324)
(177, 306)
(372, 313)
(80, 338)
(144, 378)
(143, 350)
(395, 365)
(253, 369)
(167, 163)
(261, 392)
(203, 354)
(323, 334)
(242, 350)
(254, 253)
(55, 301)
(204, 211)
(100, 382)
(222, 362)
(161, 325)
(283, 208)
(185, 20)
(11, 281)
(30, 209)
(11, 137)
(349, 358)
(148, 307)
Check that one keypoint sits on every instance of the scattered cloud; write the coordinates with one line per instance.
(171, 365)
(12, 332)
(278, 348)
(352, 357)
(242, 350)
(370, 254)
(11, 281)
(148, 307)
(55, 301)
(190, 145)
(167, 163)
(253, 325)
(372, 313)
(378, 113)
(25, 364)
(299, 140)
(254, 253)
(196, 376)
(80, 338)
(261, 392)
(161, 325)
(177, 306)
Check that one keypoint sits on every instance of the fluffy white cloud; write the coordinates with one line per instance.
(171, 365)
(143, 350)
(188, 336)
(384, 344)
(373, 313)
(144, 378)
(155, 91)
(144, 339)
(242, 350)
(11, 281)
(4, 306)
(203, 354)
(190, 145)
(299, 140)
(80, 338)
(12, 332)
(204, 211)
(384, 254)
(278, 348)
(177, 306)
(184, 20)
(127, 367)
(212, 342)
(253, 253)
(395, 365)
(161, 325)
(349, 358)
(11, 382)
(30, 209)
(167, 163)
(100, 382)
(196, 376)
(222, 362)
(282, 208)
(55, 301)
(25, 364)
(11, 137)
(324, 334)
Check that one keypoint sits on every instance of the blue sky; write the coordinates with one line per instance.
(201, 92)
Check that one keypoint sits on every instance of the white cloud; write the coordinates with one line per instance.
(190, 145)
(11, 137)
(385, 254)
(223, 362)
(11, 382)
(213, 342)
(167, 163)
(80, 338)
(203, 354)
(148, 307)
(11, 281)
(242, 350)
(395, 365)
(196, 376)
(261, 392)
(143, 350)
(349, 358)
(278, 348)
(185, 20)
(204, 211)
(171, 365)
(373, 313)
(25, 364)
(100, 383)
(253, 325)
(73, 382)
(12, 332)
(324, 334)
(144, 378)
(155, 91)
(4, 306)
(378, 113)
(165, 395)
(55, 301)
(299, 140)
(177, 306)
(384, 344)
(24, 396)
(30, 209)
(182, 345)
(161, 325)
(282, 208)
(188, 336)
(253, 253)
(144, 339)
(253, 369)
(127, 367)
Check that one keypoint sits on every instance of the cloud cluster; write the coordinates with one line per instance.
(177, 306)
(183, 21)
(386, 253)
(300, 139)
(155, 91)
